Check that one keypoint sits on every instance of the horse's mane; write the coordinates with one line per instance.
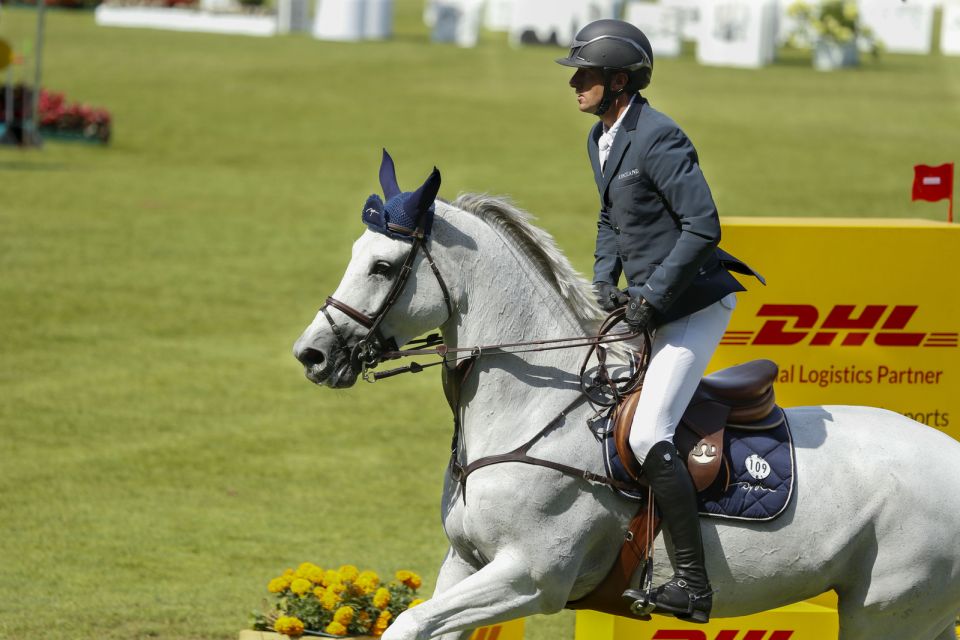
(539, 248)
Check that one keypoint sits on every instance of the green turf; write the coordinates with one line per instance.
(161, 455)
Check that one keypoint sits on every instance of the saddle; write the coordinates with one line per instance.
(740, 396)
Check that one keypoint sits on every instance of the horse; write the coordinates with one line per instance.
(874, 516)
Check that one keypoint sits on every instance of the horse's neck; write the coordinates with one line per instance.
(504, 299)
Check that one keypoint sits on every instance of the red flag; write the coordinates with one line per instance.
(933, 183)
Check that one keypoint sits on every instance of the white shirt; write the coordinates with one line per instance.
(606, 138)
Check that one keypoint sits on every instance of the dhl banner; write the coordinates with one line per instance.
(812, 620)
(512, 630)
(862, 312)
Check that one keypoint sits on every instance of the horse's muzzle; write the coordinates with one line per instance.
(335, 371)
(342, 374)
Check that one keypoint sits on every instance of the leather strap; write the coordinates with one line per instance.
(608, 596)
(352, 313)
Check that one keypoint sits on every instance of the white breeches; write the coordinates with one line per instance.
(680, 353)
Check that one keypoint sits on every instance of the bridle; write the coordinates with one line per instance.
(368, 352)
(374, 346)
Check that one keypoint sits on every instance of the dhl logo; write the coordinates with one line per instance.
(487, 633)
(727, 634)
(791, 324)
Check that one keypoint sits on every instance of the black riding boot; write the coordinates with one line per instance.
(688, 594)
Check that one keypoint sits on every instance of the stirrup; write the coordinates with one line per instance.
(642, 605)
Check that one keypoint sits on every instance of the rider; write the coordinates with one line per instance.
(658, 226)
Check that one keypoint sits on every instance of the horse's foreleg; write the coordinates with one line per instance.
(453, 571)
(501, 591)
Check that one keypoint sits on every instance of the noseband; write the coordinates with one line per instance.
(367, 352)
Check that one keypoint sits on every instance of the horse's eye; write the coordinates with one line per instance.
(380, 268)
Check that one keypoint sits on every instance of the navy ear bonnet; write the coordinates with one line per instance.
(405, 213)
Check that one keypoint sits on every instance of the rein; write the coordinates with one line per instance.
(374, 348)
(432, 345)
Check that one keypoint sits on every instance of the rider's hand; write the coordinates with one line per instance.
(641, 316)
(609, 297)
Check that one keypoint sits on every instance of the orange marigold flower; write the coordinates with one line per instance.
(304, 569)
(336, 629)
(277, 585)
(329, 600)
(383, 621)
(344, 615)
(349, 573)
(300, 586)
(288, 626)
(409, 578)
(315, 575)
(330, 577)
(415, 603)
(367, 582)
(381, 598)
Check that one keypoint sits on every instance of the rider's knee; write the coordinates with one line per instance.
(642, 443)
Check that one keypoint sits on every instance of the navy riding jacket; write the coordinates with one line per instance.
(658, 222)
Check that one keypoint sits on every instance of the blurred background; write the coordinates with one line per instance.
(187, 196)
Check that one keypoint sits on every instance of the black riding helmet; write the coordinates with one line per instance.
(612, 46)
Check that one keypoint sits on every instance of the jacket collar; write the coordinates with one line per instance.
(620, 143)
(594, 144)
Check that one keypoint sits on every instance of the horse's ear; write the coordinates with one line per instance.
(388, 177)
(427, 193)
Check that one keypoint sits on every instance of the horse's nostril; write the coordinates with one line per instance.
(311, 357)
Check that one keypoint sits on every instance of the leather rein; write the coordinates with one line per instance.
(374, 348)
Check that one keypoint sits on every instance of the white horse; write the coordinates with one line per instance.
(875, 514)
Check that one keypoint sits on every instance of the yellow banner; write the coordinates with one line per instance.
(861, 312)
(812, 620)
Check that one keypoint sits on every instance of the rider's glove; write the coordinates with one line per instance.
(609, 297)
(641, 316)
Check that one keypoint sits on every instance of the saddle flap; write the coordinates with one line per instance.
(622, 423)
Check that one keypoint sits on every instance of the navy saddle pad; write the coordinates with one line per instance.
(761, 465)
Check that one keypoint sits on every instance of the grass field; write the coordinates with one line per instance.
(161, 455)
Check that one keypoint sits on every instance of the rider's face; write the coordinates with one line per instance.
(588, 84)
